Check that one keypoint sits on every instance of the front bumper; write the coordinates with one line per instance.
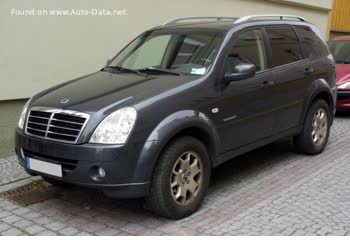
(343, 100)
(78, 162)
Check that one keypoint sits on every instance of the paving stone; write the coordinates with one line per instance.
(55, 226)
(5, 214)
(12, 232)
(84, 234)
(46, 233)
(33, 229)
(4, 226)
(107, 232)
(20, 211)
(68, 231)
(92, 227)
(23, 223)
(11, 219)
(133, 228)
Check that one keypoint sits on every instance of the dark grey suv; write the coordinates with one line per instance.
(177, 101)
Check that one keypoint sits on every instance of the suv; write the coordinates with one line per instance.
(176, 102)
(340, 48)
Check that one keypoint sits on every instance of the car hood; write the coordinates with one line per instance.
(343, 73)
(104, 90)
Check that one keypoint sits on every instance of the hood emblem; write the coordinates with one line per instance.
(64, 100)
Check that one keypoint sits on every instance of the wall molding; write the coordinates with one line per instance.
(323, 5)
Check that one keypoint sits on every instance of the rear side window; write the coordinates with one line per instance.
(313, 45)
(285, 45)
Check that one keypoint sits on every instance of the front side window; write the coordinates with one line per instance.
(247, 48)
(179, 51)
(285, 45)
(340, 51)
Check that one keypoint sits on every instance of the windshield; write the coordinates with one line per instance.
(340, 51)
(176, 51)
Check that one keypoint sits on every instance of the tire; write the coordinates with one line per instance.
(313, 139)
(189, 186)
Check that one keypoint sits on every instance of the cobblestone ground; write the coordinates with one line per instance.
(271, 191)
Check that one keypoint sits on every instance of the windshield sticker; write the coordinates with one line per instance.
(198, 71)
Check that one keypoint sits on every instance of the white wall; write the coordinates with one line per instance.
(37, 52)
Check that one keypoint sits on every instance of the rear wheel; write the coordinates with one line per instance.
(180, 180)
(315, 133)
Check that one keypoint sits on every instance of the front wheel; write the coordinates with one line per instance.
(180, 180)
(315, 133)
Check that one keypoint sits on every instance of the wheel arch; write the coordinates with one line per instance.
(322, 91)
(186, 122)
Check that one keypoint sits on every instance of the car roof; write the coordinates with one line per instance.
(342, 38)
(213, 25)
(227, 23)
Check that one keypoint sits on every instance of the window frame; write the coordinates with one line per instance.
(270, 65)
(232, 41)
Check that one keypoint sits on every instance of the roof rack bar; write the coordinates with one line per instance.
(176, 20)
(281, 17)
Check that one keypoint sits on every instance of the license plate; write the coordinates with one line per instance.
(44, 167)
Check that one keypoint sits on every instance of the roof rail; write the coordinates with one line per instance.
(176, 20)
(281, 17)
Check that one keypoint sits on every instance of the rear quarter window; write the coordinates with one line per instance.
(314, 47)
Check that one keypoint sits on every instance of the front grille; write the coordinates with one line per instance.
(68, 165)
(56, 124)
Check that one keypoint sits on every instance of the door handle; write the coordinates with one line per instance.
(268, 83)
(309, 71)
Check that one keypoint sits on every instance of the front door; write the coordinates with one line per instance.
(245, 109)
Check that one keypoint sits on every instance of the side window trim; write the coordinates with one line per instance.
(301, 42)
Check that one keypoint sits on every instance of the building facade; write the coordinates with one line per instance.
(340, 18)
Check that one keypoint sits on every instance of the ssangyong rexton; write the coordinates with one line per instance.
(179, 100)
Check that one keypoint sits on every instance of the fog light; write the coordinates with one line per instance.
(97, 173)
(101, 172)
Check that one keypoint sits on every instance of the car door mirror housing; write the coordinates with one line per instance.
(240, 72)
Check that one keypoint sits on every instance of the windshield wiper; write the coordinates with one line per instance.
(122, 69)
(158, 71)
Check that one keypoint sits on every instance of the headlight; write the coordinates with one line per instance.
(116, 127)
(22, 118)
(344, 86)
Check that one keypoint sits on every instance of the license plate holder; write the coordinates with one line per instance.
(44, 167)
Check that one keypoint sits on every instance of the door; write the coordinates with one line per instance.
(245, 107)
(292, 76)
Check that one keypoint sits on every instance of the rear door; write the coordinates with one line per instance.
(292, 74)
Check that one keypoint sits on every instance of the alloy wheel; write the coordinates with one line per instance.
(319, 127)
(186, 178)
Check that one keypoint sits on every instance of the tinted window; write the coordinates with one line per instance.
(340, 51)
(285, 45)
(313, 45)
(247, 48)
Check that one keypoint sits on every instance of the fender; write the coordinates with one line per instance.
(166, 130)
(320, 86)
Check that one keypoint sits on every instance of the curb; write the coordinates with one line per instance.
(19, 183)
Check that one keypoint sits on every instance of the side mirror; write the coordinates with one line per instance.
(240, 72)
